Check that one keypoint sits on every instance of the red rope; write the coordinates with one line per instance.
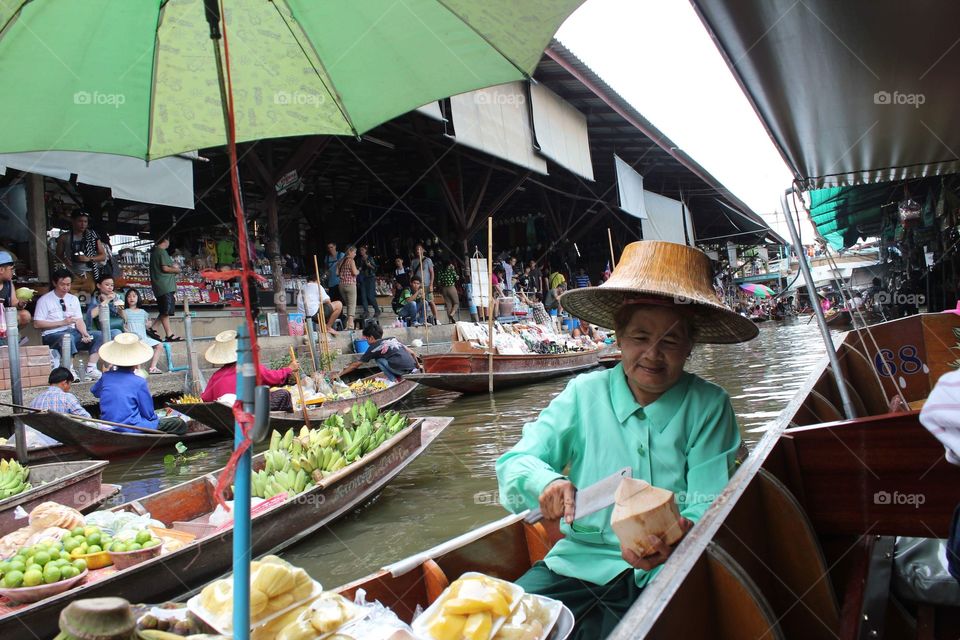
(244, 420)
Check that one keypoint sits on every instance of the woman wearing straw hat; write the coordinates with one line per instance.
(223, 352)
(674, 429)
(124, 396)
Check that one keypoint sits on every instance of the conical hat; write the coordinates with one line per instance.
(126, 350)
(224, 348)
(662, 273)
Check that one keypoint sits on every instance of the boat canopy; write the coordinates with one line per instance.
(855, 92)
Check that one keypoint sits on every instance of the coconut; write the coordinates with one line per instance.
(644, 510)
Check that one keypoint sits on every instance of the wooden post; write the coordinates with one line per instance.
(613, 261)
(273, 250)
(423, 291)
(323, 319)
(296, 375)
(490, 309)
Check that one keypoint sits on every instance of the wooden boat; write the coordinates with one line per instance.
(218, 416)
(610, 360)
(98, 442)
(799, 544)
(43, 453)
(74, 484)
(187, 506)
(465, 368)
(841, 319)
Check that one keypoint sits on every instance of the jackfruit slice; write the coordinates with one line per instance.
(478, 626)
(447, 627)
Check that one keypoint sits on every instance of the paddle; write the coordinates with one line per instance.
(296, 375)
(76, 417)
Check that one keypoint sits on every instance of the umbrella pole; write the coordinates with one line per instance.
(325, 345)
(613, 261)
(296, 375)
(492, 305)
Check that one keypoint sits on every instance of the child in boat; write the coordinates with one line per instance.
(674, 429)
(392, 356)
(224, 381)
(124, 396)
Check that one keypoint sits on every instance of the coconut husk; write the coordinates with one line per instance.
(98, 619)
(643, 510)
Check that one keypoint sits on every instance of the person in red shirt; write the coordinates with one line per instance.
(224, 381)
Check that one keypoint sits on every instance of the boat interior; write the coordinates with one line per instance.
(813, 536)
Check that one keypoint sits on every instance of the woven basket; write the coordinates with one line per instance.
(668, 272)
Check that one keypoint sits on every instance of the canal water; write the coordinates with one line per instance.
(452, 487)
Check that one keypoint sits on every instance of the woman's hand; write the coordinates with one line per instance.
(557, 500)
(294, 367)
(657, 550)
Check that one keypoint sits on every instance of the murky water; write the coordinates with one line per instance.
(452, 487)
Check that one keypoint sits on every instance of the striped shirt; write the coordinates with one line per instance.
(56, 399)
(941, 414)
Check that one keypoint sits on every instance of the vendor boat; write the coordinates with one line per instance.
(74, 484)
(101, 442)
(800, 543)
(276, 524)
(610, 360)
(219, 416)
(43, 453)
(466, 368)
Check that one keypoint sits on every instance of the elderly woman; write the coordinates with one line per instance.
(674, 429)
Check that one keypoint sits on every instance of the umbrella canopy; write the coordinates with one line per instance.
(140, 78)
(758, 290)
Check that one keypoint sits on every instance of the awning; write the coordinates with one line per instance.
(852, 92)
(166, 181)
(843, 215)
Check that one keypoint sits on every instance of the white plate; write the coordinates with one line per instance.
(422, 622)
(214, 621)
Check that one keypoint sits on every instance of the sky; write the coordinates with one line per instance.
(660, 58)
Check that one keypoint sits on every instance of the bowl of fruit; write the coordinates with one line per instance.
(143, 546)
(89, 544)
(40, 571)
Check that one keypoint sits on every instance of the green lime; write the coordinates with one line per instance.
(118, 547)
(71, 543)
(88, 531)
(17, 565)
(51, 574)
(64, 555)
(134, 546)
(94, 538)
(4, 566)
(42, 558)
(68, 572)
(77, 531)
(94, 548)
(80, 565)
(152, 542)
(34, 567)
(32, 578)
(142, 536)
(13, 579)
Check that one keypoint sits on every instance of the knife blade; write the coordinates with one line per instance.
(590, 499)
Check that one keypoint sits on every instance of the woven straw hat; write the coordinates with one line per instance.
(224, 349)
(126, 350)
(662, 272)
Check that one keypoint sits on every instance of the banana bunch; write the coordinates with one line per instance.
(296, 462)
(188, 398)
(13, 479)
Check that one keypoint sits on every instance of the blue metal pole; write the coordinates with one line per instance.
(246, 379)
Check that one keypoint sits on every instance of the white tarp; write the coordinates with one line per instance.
(630, 188)
(495, 120)
(666, 219)
(166, 181)
(561, 131)
(432, 110)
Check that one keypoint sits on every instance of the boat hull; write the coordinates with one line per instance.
(101, 443)
(469, 372)
(73, 484)
(220, 417)
(170, 576)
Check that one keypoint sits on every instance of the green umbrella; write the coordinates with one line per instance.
(139, 77)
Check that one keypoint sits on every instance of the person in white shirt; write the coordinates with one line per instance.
(58, 314)
(308, 303)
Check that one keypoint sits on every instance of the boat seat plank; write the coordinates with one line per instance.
(718, 600)
(883, 474)
(434, 580)
(770, 536)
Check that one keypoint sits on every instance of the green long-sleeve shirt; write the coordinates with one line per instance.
(686, 441)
